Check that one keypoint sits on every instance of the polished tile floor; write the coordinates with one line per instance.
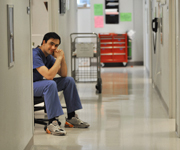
(128, 115)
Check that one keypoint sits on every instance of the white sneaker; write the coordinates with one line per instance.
(75, 122)
(55, 129)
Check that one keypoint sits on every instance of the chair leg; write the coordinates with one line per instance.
(41, 121)
(45, 108)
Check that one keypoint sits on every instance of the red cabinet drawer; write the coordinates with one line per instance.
(119, 58)
(119, 50)
(119, 40)
(119, 44)
(106, 58)
(106, 50)
(106, 40)
(102, 36)
(106, 44)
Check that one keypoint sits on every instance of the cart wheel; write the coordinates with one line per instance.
(102, 64)
(100, 88)
(124, 64)
(99, 85)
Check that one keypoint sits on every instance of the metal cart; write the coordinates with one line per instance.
(85, 58)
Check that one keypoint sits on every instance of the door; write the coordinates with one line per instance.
(177, 98)
(16, 101)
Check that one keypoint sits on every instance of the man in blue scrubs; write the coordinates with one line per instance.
(48, 61)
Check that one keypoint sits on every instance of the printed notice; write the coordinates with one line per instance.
(125, 17)
(98, 21)
(84, 49)
(98, 9)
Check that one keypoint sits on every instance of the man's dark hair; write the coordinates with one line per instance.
(51, 35)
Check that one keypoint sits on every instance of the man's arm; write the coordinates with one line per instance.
(49, 74)
(63, 68)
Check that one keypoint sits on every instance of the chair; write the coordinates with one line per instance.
(38, 100)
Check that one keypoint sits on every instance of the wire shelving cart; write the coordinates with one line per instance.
(85, 58)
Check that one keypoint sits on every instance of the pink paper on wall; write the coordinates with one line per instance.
(98, 21)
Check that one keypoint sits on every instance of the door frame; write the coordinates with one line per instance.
(172, 59)
(177, 69)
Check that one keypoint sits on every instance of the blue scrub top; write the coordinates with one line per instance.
(39, 60)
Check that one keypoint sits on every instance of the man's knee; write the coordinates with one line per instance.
(70, 79)
(52, 84)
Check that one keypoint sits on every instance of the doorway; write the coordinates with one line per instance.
(39, 20)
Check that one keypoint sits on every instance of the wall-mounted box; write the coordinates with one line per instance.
(112, 19)
(112, 11)
(62, 6)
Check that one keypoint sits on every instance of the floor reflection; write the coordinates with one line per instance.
(114, 83)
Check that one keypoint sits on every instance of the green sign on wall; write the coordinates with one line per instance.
(98, 9)
(125, 17)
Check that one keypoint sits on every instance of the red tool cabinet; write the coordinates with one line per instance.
(113, 48)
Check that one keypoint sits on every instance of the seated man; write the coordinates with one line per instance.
(45, 65)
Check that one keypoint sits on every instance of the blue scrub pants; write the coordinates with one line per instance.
(49, 90)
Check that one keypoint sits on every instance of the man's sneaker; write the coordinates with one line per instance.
(75, 122)
(55, 129)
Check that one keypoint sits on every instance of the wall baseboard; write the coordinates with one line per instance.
(162, 100)
(30, 144)
(135, 63)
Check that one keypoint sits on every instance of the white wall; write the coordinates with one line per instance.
(68, 25)
(84, 20)
(137, 47)
(16, 101)
(160, 60)
(148, 46)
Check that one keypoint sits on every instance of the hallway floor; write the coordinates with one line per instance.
(128, 115)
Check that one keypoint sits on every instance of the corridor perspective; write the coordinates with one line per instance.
(128, 115)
